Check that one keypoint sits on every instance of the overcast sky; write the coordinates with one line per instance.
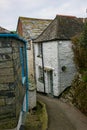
(10, 10)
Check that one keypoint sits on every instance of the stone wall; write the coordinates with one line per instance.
(67, 69)
(11, 90)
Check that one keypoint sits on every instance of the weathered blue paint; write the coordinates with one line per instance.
(23, 78)
(27, 81)
(25, 105)
(12, 35)
(22, 64)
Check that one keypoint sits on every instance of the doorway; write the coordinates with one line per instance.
(50, 82)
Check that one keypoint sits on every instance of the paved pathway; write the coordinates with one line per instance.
(62, 116)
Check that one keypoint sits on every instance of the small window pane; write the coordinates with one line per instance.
(40, 75)
(39, 50)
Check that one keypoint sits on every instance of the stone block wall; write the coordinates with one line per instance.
(11, 89)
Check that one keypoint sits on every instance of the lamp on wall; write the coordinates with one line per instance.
(63, 68)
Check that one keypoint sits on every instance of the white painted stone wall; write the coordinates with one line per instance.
(50, 55)
(30, 63)
(38, 62)
(66, 59)
(32, 98)
(56, 54)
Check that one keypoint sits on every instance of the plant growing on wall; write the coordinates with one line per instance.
(80, 57)
(83, 37)
(80, 49)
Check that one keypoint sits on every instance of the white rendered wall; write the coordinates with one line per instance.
(50, 55)
(38, 62)
(66, 59)
(30, 63)
(56, 54)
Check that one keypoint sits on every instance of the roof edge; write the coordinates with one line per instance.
(70, 16)
(56, 39)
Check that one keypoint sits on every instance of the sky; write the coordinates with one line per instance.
(11, 10)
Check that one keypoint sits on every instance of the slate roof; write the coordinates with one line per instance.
(62, 27)
(3, 30)
(33, 27)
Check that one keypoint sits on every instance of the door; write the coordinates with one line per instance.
(50, 82)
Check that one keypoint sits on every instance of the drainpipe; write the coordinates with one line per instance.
(27, 82)
(59, 71)
(34, 63)
(43, 67)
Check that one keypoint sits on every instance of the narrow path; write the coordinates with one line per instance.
(62, 116)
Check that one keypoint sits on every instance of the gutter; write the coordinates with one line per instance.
(27, 82)
(13, 36)
(34, 64)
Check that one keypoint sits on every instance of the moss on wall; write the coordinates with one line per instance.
(80, 93)
(37, 118)
(8, 124)
(80, 83)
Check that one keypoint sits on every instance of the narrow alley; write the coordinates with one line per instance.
(62, 116)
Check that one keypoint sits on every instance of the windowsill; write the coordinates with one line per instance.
(23, 80)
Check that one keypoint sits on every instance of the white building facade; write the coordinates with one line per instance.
(54, 58)
(56, 62)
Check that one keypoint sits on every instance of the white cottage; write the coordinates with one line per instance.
(55, 68)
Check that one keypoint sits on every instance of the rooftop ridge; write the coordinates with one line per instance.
(21, 17)
(70, 16)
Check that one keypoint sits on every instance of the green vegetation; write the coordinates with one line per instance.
(8, 124)
(14, 32)
(37, 118)
(83, 37)
(80, 94)
(80, 54)
(80, 83)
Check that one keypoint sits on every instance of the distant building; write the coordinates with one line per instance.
(13, 80)
(55, 68)
(3, 30)
(30, 29)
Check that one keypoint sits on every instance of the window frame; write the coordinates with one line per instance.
(39, 50)
(41, 78)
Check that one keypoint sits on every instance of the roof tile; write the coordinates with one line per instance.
(62, 27)
(33, 27)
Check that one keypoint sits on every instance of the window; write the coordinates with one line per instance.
(40, 74)
(39, 50)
